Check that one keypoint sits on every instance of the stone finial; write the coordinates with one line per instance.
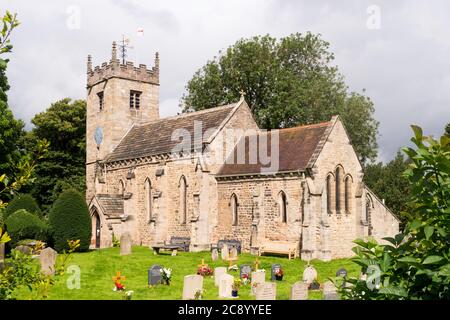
(114, 51)
(89, 64)
(157, 60)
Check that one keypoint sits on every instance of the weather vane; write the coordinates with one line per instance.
(124, 45)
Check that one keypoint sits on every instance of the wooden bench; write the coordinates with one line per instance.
(175, 243)
(279, 247)
(230, 243)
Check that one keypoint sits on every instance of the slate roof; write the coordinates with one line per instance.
(112, 204)
(154, 138)
(296, 147)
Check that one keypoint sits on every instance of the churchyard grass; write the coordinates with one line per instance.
(99, 266)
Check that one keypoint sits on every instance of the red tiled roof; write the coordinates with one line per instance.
(296, 147)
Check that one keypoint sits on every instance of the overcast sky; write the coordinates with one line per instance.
(399, 51)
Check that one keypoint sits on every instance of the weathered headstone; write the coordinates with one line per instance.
(233, 253)
(174, 252)
(24, 249)
(154, 275)
(267, 291)
(224, 252)
(214, 255)
(125, 244)
(309, 275)
(299, 291)
(47, 258)
(245, 270)
(329, 291)
(218, 272)
(192, 284)
(225, 285)
(258, 278)
(275, 268)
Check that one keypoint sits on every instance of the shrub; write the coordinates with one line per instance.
(24, 201)
(70, 220)
(25, 225)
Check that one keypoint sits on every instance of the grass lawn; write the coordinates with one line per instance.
(99, 266)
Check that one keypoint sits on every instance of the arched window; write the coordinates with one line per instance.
(330, 196)
(121, 187)
(148, 199)
(282, 206)
(348, 194)
(338, 176)
(234, 209)
(183, 200)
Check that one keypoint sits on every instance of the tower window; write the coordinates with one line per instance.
(100, 100)
(135, 99)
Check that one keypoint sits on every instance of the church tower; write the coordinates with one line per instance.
(118, 96)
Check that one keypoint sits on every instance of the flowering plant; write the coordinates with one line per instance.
(245, 279)
(236, 284)
(118, 286)
(127, 295)
(279, 272)
(205, 271)
(166, 275)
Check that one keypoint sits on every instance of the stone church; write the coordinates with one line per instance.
(213, 174)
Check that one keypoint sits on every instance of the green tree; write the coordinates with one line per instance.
(24, 201)
(63, 124)
(389, 183)
(287, 82)
(447, 130)
(416, 263)
(25, 225)
(70, 220)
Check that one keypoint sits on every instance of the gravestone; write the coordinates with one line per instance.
(125, 244)
(218, 272)
(274, 270)
(245, 269)
(299, 291)
(24, 249)
(225, 253)
(47, 258)
(192, 284)
(258, 278)
(309, 275)
(233, 253)
(154, 275)
(214, 255)
(329, 291)
(174, 252)
(267, 291)
(225, 285)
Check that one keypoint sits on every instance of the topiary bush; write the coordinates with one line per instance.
(24, 201)
(70, 220)
(25, 225)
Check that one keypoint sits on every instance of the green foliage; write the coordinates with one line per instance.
(389, 183)
(416, 263)
(63, 124)
(70, 220)
(24, 201)
(447, 130)
(25, 225)
(288, 82)
(20, 271)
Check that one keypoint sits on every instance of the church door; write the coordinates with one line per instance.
(97, 229)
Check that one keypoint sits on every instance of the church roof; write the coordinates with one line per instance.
(154, 138)
(111, 204)
(298, 146)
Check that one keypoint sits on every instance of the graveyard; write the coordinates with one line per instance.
(99, 267)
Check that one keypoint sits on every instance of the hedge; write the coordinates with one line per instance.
(24, 201)
(25, 225)
(70, 220)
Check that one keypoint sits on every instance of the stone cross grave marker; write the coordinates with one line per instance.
(192, 284)
(309, 275)
(47, 258)
(299, 291)
(225, 285)
(329, 291)
(125, 244)
(225, 253)
(258, 278)
(214, 255)
(245, 270)
(154, 275)
(233, 253)
(274, 270)
(218, 272)
(266, 291)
